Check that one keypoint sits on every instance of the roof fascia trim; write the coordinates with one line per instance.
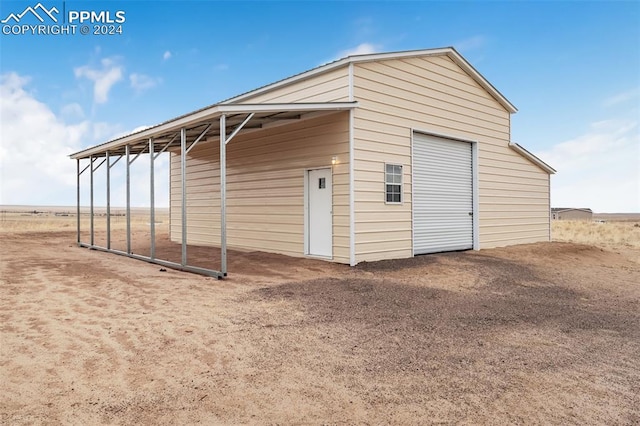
(286, 107)
(529, 156)
(479, 78)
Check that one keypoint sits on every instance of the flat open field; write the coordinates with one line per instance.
(545, 333)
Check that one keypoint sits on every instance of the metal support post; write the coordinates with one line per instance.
(152, 215)
(108, 199)
(91, 160)
(109, 166)
(128, 201)
(78, 200)
(223, 195)
(183, 173)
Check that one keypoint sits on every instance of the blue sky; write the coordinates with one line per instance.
(571, 68)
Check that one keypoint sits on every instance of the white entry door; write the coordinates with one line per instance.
(319, 204)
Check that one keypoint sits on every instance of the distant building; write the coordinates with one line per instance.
(562, 213)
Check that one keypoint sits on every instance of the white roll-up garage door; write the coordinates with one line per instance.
(442, 194)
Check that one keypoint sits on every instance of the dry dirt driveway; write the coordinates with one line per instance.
(532, 334)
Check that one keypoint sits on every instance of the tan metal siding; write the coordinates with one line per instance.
(332, 86)
(514, 199)
(433, 94)
(265, 187)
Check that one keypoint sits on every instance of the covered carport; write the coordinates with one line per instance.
(182, 134)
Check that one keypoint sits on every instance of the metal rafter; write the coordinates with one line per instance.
(237, 129)
(137, 155)
(98, 166)
(194, 143)
(166, 146)
(85, 169)
(114, 163)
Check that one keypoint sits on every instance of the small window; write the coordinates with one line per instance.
(393, 183)
(322, 183)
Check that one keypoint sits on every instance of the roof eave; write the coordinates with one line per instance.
(211, 113)
(535, 160)
(168, 126)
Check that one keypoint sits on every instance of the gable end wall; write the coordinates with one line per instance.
(433, 94)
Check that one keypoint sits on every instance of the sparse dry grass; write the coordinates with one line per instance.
(609, 234)
(12, 221)
(612, 234)
(25, 222)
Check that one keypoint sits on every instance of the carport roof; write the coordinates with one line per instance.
(263, 115)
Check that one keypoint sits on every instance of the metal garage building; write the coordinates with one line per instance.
(569, 213)
(369, 157)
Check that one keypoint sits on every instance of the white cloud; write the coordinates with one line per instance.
(101, 131)
(34, 146)
(364, 27)
(72, 111)
(166, 55)
(599, 169)
(129, 132)
(103, 78)
(622, 97)
(361, 49)
(471, 43)
(142, 82)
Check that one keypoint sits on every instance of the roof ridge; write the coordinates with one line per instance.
(365, 57)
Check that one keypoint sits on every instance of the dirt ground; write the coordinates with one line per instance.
(545, 333)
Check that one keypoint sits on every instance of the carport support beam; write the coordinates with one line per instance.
(78, 200)
(91, 160)
(152, 191)
(108, 199)
(183, 178)
(109, 166)
(223, 195)
(127, 154)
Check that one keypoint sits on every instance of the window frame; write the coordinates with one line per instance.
(401, 184)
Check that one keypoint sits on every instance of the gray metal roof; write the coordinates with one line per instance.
(202, 117)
